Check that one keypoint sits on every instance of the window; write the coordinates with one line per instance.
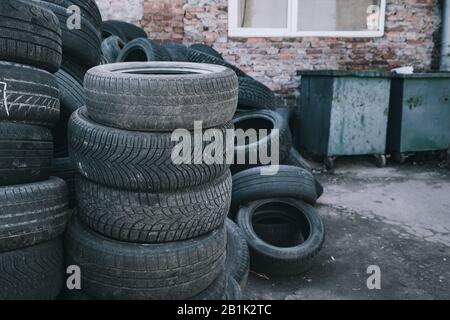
(303, 18)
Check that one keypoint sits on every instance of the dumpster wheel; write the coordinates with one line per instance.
(381, 160)
(400, 157)
(329, 163)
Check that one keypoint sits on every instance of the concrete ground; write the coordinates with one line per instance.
(397, 218)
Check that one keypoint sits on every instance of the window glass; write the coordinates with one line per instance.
(339, 15)
(263, 14)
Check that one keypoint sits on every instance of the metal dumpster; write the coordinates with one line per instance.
(419, 117)
(343, 113)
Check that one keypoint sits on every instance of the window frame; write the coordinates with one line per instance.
(292, 23)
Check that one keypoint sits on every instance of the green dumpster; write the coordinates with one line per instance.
(419, 118)
(343, 113)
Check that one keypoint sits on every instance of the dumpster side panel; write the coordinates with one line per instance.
(359, 116)
(314, 116)
(394, 133)
(426, 115)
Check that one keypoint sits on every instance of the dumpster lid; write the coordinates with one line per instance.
(424, 75)
(345, 73)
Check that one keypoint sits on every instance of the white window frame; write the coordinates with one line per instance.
(292, 23)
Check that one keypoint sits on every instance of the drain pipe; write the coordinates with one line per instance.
(445, 45)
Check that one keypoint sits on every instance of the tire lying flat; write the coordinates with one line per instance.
(25, 153)
(283, 261)
(120, 270)
(160, 96)
(32, 213)
(32, 95)
(33, 273)
(154, 217)
(30, 35)
(63, 168)
(139, 161)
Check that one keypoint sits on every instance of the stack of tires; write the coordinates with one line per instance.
(33, 205)
(148, 227)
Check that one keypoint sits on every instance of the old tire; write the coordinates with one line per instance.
(216, 291)
(275, 124)
(111, 48)
(33, 273)
(154, 217)
(177, 51)
(295, 159)
(289, 261)
(82, 45)
(234, 291)
(88, 9)
(25, 153)
(289, 182)
(32, 213)
(141, 50)
(238, 259)
(63, 168)
(139, 161)
(32, 95)
(122, 270)
(160, 96)
(124, 30)
(255, 95)
(206, 49)
(201, 57)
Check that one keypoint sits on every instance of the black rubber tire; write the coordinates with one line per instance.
(134, 160)
(32, 95)
(111, 48)
(154, 217)
(82, 45)
(29, 35)
(261, 119)
(289, 182)
(72, 98)
(25, 153)
(88, 9)
(157, 102)
(32, 213)
(216, 291)
(141, 50)
(201, 57)
(277, 231)
(63, 168)
(33, 273)
(74, 69)
(234, 291)
(124, 30)
(255, 95)
(206, 49)
(270, 260)
(177, 51)
(120, 270)
(237, 264)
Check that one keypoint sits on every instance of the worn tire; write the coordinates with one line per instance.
(120, 270)
(25, 153)
(32, 95)
(255, 95)
(134, 160)
(32, 213)
(141, 50)
(33, 273)
(74, 69)
(206, 49)
(201, 57)
(234, 291)
(177, 51)
(261, 119)
(160, 102)
(63, 168)
(111, 48)
(271, 260)
(29, 35)
(82, 45)
(154, 217)
(289, 182)
(216, 291)
(124, 30)
(88, 9)
(238, 259)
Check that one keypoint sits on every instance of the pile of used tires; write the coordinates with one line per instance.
(148, 228)
(33, 206)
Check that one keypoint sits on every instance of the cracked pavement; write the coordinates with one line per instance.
(397, 218)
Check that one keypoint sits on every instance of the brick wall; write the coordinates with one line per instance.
(412, 34)
(126, 10)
